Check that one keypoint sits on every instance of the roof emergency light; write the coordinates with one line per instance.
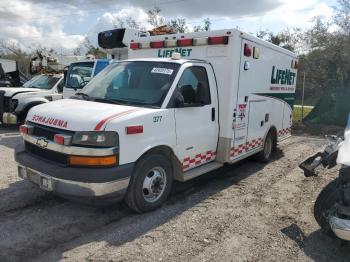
(182, 42)
(217, 40)
(200, 41)
(170, 43)
(157, 44)
(144, 45)
(185, 42)
(134, 46)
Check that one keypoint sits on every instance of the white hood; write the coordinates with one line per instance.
(78, 115)
(10, 91)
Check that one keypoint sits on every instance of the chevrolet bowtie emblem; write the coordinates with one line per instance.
(42, 142)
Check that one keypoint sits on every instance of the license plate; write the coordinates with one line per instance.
(46, 183)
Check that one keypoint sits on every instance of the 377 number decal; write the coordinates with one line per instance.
(157, 119)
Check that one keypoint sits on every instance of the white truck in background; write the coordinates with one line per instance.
(183, 105)
(9, 73)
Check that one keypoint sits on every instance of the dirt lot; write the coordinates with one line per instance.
(245, 212)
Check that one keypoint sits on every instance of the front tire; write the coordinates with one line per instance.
(150, 184)
(323, 206)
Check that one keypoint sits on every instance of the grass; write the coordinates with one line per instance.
(297, 112)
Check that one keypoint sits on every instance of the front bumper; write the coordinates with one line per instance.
(9, 118)
(340, 227)
(74, 183)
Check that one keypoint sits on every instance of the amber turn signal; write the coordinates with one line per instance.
(92, 161)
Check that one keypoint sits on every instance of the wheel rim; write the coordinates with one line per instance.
(268, 147)
(154, 184)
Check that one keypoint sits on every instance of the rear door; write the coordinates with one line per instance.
(197, 127)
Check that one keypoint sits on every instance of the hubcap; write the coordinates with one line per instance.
(154, 184)
(268, 147)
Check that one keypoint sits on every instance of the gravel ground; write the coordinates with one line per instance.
(245, 212)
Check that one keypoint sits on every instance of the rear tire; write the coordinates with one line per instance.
(150, 184)
(323, 205)
(269, 148)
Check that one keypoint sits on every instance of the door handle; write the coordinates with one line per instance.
(213, 114)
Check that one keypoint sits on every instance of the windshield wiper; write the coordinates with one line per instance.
(104, 100)
(83, 95)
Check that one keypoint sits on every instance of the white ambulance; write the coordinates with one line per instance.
(185, 105)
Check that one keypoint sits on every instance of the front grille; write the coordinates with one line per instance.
(48, 132)
(46, 154)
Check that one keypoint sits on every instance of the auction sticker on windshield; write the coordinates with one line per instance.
(166, 71)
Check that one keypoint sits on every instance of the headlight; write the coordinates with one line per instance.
(96, 139)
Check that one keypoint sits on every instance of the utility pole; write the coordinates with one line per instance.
(302, 99)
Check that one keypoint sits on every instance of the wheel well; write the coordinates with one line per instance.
(273, 132)
(169, 153)
(24, 113)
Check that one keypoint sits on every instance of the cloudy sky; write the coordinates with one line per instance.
(62, 25)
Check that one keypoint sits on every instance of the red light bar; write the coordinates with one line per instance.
(134, 46)
(248, 50)
(157, 44)
(131, 130)
(185, 42)
(218, 40)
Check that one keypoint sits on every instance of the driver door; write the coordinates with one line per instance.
(196, 118)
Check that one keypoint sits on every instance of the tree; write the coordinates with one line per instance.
(91, 50)
(178, 25)
(155, 19)
(205, 27)
(128, 22)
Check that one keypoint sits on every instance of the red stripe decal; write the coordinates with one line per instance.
(104, 121)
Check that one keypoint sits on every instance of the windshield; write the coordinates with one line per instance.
(42, 82)
(133, 83)
(79, 74)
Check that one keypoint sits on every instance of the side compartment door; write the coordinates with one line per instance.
(257, 124)
(196, 118)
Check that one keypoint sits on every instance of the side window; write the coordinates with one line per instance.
(194, 86)
(60, 86)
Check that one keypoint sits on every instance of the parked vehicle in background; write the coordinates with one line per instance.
(80, 73)
(15, 102)
(9, 74)
(182, 106)
(332, 206)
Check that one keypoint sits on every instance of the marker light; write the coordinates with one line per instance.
(185, 42)
(217, 40)
(134, 46)
(157, 44)
(92, 161)
(131, 130)
(200, 41)
(26, 129)
(62, 139)
(247, 50)
(256, 53)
